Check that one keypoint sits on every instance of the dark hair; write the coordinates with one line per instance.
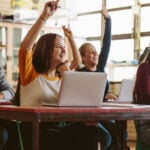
(145, 56)
(43, 52)
(148, 57)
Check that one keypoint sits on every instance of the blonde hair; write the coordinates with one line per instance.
(82, 48)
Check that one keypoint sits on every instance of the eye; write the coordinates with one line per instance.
(94, 53)
(90, 52)
(60, 46)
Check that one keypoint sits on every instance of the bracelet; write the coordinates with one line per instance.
(42, 18)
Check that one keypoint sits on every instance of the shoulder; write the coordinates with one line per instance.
(144, 66)
(143, 70)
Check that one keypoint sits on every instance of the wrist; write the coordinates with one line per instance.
(42, 18)
(107, 17)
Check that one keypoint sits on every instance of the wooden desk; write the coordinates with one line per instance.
(51, 114)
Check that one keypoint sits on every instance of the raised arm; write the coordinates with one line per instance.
(106, 41)
(76, 55)
(49, 9)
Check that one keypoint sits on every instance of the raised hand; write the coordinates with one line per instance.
(68, 33)
(50, 8)
(104, 12)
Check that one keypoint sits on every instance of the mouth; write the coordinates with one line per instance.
(62, 55)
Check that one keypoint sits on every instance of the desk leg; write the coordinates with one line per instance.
(121, 126)
(36, 135)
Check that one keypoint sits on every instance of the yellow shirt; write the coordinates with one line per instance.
(36, 88)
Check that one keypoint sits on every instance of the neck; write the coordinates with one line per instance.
(51, 72)
(91, 67)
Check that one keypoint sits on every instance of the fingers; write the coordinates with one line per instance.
(57, 1)
(110, 96)
(53, 4)
(66, 29)
(65, 66)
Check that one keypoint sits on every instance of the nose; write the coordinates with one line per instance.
(95, 53)
(63, 49)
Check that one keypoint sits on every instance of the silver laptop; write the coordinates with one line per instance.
(125, 97)
(82, 89)
(126, 91)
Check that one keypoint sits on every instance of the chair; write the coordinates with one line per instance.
(139, 144)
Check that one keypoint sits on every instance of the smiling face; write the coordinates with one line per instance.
(59, 52)
(48, 53)
(90, 56)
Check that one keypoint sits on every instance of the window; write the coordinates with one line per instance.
(80, 6)
(145, 42)
(118, 3)
(121, 50)
(122, 21)
(87, 26)
(145, 24)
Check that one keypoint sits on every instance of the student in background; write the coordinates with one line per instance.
(91, 60)
(7, 93)
(40, 80)
(6, 90)
(142, 96)
(96, 63)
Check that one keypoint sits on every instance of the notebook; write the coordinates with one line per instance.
(82, 89)
(125, 97)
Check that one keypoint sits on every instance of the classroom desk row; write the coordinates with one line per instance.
(84, 114)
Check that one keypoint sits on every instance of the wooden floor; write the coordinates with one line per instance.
(131, 135)
(131, 144)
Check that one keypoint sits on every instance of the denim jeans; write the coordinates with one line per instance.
(104, 137)
(115, 131)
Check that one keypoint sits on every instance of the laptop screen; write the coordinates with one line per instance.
(82, 88)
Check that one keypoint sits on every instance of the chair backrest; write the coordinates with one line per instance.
(16, 99)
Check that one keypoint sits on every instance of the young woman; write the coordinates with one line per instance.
(39, 67)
